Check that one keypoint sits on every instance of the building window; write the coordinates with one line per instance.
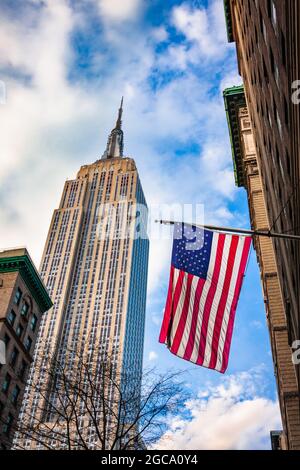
(272, 60)
(19, 330)
(14, 357)
(6, 339)
(6, 383)
(8, 424)
(288, 162)
(15, 395)
(269, 119)
(276, 74)
(25, 309)
(11, 318)
(18, 296)
(33, 322)
(28, 343)
(283, 49)
(266, 75)
(279, 123)
(286, 112)
(273, 14)
(262, 26)
(22, 370)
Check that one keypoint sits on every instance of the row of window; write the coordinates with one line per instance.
(12, 318)
(267, 107)
(15, 392)
(17, 301)
(14, 358)
(19, 331)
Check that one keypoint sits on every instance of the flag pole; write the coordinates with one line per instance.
(259, 233)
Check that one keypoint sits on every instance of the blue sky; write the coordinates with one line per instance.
(64, 66)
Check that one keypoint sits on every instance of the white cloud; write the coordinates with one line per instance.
(152, 356)
(119, 10)
(160, 34)
(50, 123)
(39, 123)
(156, 319)
(230, 79)
(203, 27)
(233, 415)
(258, 325)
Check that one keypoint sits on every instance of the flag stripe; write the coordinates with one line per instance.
(222, 304)
(179, 296)
(203, 292)
(168, 309)
(228, 308)
(213, 300)
(183, 315)
(238, 287)
(176, 277)
(210, 276)
(195, 318)
(189, 319)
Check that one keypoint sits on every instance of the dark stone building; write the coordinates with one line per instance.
(248, 175)
(267, 37)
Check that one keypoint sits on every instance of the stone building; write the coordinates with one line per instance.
(23, 300)
(248, 175)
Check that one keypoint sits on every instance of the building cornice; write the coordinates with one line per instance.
(234, 99)
(228, 19)
(25, 267)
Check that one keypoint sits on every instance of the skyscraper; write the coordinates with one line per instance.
(95, 265)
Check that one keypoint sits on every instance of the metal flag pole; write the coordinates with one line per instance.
(258, 233)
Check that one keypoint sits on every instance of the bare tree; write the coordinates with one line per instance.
(86, 404)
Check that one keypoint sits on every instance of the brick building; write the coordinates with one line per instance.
(267, 37)
(247, 174)
(23, 300)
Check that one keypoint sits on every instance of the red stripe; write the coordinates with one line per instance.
(245, 254)
(195, 319)
(172, 304)
(168, 309)
(183, 315)
(223, 301)
(210, 297)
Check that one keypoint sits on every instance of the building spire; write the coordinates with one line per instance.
(114, 146)
(119, 120)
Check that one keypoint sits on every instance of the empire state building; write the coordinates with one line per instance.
(94, 270)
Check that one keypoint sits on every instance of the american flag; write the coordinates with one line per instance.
(207, 272)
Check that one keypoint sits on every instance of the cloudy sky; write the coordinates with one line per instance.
(64, 65)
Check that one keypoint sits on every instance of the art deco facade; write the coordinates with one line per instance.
(23, 300)
(266, 33)
(95, 271)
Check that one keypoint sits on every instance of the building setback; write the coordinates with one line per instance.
(23, 300)
(96, 276)
(267, 37)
